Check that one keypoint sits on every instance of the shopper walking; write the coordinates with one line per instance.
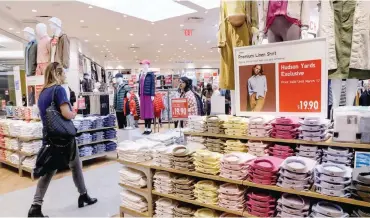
(186, 92)
(54, 93)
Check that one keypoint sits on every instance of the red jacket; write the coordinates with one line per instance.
(158, 104)
(132, 105)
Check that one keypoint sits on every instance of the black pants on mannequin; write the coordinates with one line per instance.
(148, 124)
(181, 124)
(121, 119)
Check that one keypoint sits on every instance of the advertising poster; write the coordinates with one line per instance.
(285, 79)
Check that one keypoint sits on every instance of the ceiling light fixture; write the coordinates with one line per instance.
(97, 34)
(96, 46)
(101, 51)
(161, 44)
(131, 34)
(186, 40)
(211, 51)
(103, 46)
(107, 40)
(153, 23)
(148, 34)
(195, 48)
(190, 44)
(208, 41)
(10, 29)
(132, 44)
(34, 10)
(184, 51)
(86, 40)
(179, 48)
(17, 32)
(181, 25)
(159, 51)
(165, 34)
(124, 15)
(202, 56)
(216, 25)
(118, 28)
(134, 51)
(82, 21)
(90, 6)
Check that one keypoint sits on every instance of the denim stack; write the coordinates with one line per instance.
(110, 146)
(84, 138)
(109, 120)
(97, 122)
(86, 151)
(100, 148)
(110, 134)
(82, 124)
(97, 136)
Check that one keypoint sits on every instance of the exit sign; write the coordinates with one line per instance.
(188, 32)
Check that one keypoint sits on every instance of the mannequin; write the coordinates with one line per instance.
(60, 51)
(43, 48)
(146, 94)
(238, 21)
(95, 100)
(120, 93)
(283, 20)
(130, 109)
(30, 53)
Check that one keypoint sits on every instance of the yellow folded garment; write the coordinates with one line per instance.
(206, 185)
(205, 212)
(209, 194)
(207, 166)
(207, 171)
(206, 200)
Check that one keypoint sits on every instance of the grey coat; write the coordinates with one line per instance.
(31, 56)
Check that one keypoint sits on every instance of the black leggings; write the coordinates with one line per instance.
(181, 124)
(148, 123)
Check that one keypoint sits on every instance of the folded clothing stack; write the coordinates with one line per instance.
(184, 187)
(231, 196)
(11, 143)
(360, 187)
(85, 151)
(197, 124)
(333, 179)
(109, 120)
(2, 154)
(31, 147)
(257, 148)
(2, 141)
(4, 124)
(260, 126)
(285, 128)
(234, 146)
(214, 125)
(29, 162)
(338, 155)
(264, 170)
(205, 212)
(164, 207)
(206, 192)
(314, 129)
(13, 158)
(97, 136)
(184, 211)
(228, 215)
(165, 138)
(327, 209)
(290, 205)
(215, 145)
(27, 113)
(235, 165)
(281, 151)
(82, 124)
(15, 127)
(297, 173)
(96, 122)
(31, 130)
(133, 201)
(197, 139)
(35, 112)
(309, 151)
(182, 158)
(110, 134)
(236, 126)
(84, 138)
(163, 182)
(207, 162)
(110, 146)
(364, 129)
(132, 177)
(163, 156)
(260, 204)
(99, 148)
(18, 112)
(135, 151)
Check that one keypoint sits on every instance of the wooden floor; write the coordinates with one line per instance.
(10, 180)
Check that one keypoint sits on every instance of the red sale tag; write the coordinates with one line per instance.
(179, 108)
(300, 86)
(81, 104)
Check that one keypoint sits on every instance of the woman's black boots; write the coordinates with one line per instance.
(85, 198)
(35, 211)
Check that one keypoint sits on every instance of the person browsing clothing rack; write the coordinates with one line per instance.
(257, 88)
(54, 77)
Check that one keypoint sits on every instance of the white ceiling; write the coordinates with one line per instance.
(127, 38)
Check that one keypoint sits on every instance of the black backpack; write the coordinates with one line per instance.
(200, 106)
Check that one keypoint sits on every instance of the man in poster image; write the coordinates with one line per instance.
(257, 88)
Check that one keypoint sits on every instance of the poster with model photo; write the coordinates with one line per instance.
(284, 79)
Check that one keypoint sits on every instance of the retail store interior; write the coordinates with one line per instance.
(185, 108)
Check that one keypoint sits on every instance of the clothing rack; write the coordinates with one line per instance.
(166, 91)
(91, 60)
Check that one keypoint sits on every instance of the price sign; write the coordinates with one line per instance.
(179, 107)
(300, 86)
(81, 105)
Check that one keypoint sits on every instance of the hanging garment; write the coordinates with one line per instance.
(104, 105)
(235, 30)
(158, 104)
(62, 52)
(348, 39)
(31, 58)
